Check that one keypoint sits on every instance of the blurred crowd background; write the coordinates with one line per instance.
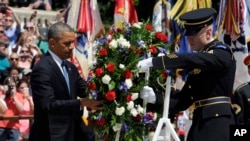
(23, 40)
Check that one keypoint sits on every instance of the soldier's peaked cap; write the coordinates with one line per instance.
(193, 21)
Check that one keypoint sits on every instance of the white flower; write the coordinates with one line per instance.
(129, 83)
(161, 54)
(95, 46)
(119, 111)
(95, 117)
(134, 112)
(134, 96)
(106, 79)
(126, 44)
(130, 105)
(137, 25)
(113, 44)
(117, 127)
(123, 42)
(92, 62)
(155, 116)
(109, 37)
(121, 66)
(140, 109)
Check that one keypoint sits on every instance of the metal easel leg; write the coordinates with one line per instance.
(168, 131)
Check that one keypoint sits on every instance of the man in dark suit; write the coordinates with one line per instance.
(57, 115)
(209, 84)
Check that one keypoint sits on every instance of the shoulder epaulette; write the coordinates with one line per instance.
(220, 45)
(242, 85)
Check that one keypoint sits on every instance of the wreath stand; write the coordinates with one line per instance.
(163, 133)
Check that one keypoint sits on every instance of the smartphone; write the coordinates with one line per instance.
(26, 90)
(3, 7)
(44, 32)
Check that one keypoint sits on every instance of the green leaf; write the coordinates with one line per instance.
(111, 85)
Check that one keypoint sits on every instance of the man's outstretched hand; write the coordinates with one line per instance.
(91, 103)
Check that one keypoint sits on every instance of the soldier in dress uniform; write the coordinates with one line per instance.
(210, 81)
(241, 99)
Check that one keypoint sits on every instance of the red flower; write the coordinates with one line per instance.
(152, 49)
(161, 36)
(129, 97)
(98, 71)
(110, 67)
(119, 29)
(164, 74)
(110, 95)
(111, 32)
(128, 74)
(90, 121)
(101, 121)
(138, 51)
(137, 118)
(89, 109)
(103, 52)
(149, 27)
(91, 85)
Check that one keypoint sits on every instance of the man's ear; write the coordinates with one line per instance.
(51, 42)
(209, 33)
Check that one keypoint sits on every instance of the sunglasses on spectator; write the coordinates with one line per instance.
(30, 27)
(12, 59)
(8, 20)
(26, 51)
(3, 45)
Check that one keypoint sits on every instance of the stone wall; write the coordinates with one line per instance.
(41, 14)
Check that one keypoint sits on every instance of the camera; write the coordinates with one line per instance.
(44, 32)
(3, 7)
(9, 82)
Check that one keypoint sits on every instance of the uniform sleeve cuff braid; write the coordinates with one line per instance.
(163, 62)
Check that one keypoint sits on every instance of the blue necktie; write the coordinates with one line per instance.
(65, 74)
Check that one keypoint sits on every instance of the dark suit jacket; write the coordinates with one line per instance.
(57, 113)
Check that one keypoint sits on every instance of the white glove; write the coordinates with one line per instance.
(148, 94)
(145, 64)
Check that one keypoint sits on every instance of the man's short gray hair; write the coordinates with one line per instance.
(56, 29)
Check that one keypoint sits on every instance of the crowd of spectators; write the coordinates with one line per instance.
(22, 43)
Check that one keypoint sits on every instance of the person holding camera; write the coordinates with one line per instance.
(9, 129)
(25, 57)
(12, 31)
(40, 4)
(3, 106)
(28, 109)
